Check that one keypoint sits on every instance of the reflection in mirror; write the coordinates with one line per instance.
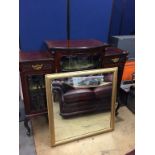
(82, 105)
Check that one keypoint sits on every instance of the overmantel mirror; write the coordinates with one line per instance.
(80, 104)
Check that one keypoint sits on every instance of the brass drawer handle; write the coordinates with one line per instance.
(115, 60)
(37, 66)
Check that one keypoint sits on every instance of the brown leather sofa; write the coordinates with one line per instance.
(76, 101)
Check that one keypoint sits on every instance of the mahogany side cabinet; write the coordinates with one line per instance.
(33, 66)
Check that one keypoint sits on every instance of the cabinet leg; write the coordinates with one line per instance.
(116, 111)
(118, 106)
(27, 126)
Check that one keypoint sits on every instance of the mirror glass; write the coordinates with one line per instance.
(81, 105)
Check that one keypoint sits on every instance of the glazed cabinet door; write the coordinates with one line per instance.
(33, 87)
(37, 95)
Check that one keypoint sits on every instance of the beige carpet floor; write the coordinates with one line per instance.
(117, 142)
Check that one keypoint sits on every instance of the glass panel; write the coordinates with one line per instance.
(82, 105)
(37, 93)
(80, 62)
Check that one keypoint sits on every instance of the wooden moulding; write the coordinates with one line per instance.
(48, 80)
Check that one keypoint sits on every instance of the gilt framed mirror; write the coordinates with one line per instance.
(80, 104)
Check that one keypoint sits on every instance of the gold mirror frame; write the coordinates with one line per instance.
(48, 81)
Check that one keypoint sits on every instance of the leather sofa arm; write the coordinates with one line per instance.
(59, 90)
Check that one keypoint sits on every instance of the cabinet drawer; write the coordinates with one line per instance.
(113, 60)
(37, 66)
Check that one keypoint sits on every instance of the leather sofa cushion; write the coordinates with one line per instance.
(103, 91)
(78, 95)
(108, 77)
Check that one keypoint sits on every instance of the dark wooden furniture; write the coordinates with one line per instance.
(76, 49)
(131, 153)
(33, 66)
(111, 56)
(115, 57)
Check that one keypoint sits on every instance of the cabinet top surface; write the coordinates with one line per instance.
(46, 55)
(111, 51)
(34, 56)
(74, 44)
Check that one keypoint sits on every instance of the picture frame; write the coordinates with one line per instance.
(52, 116)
